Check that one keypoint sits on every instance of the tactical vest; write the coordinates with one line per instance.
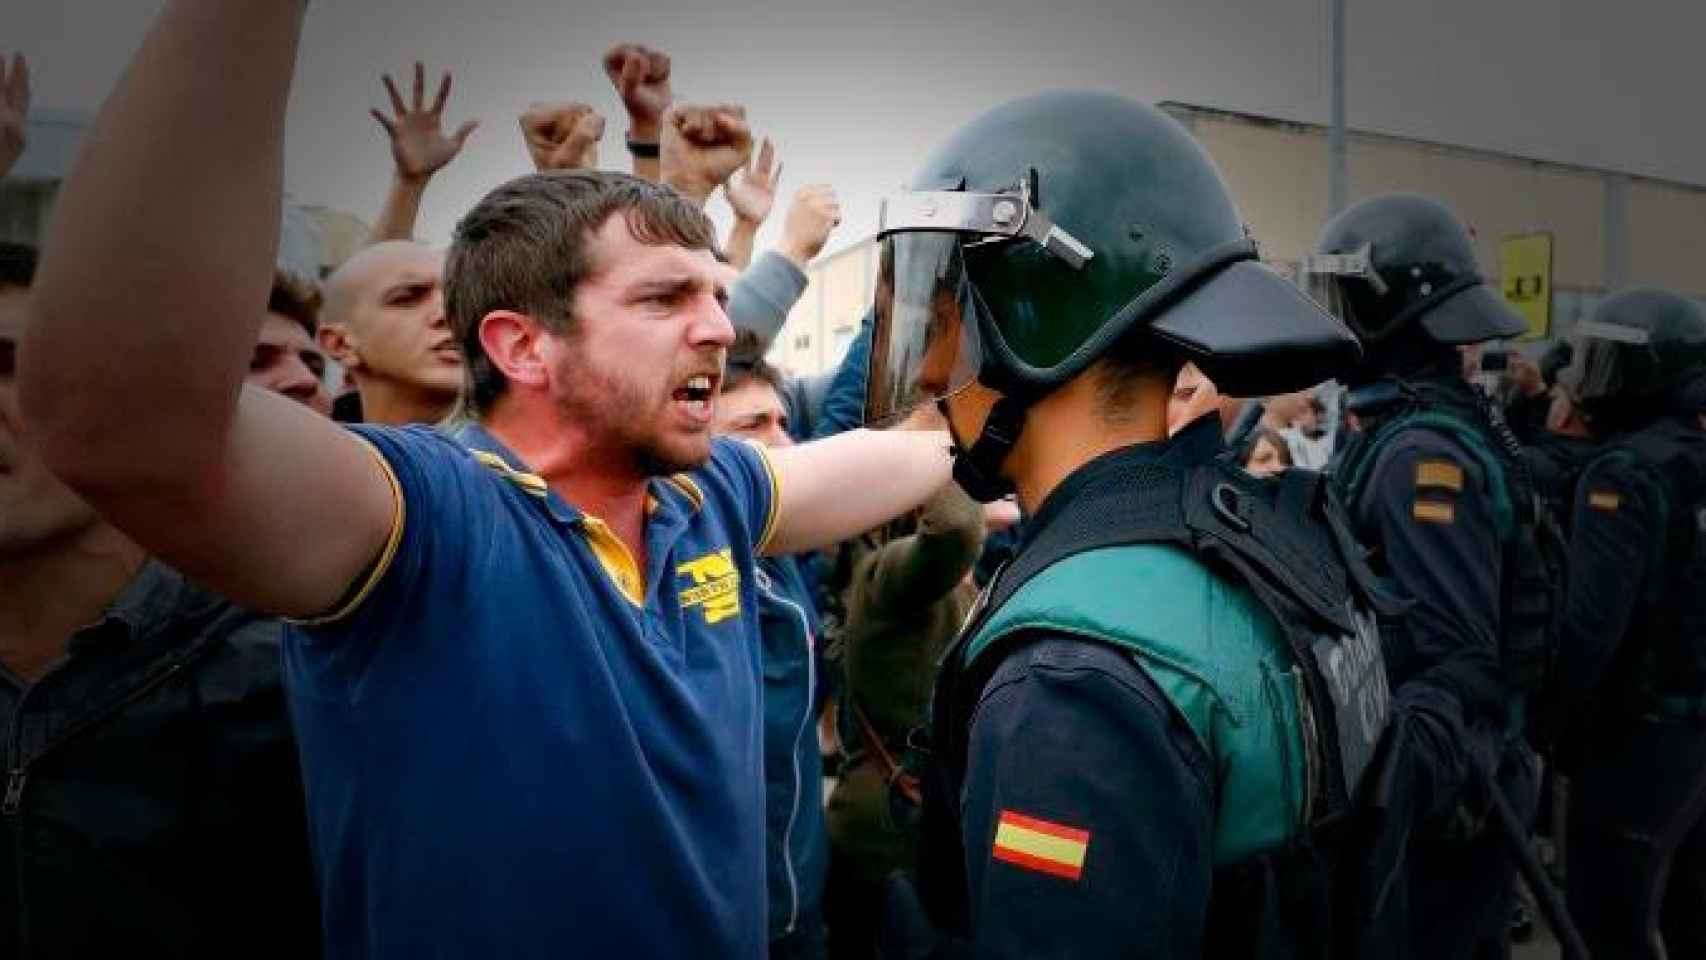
(1534, 551)
(1277, 556)
(1661, 665)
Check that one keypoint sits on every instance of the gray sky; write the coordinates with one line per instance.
(856, 92)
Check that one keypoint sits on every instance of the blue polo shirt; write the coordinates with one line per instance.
(514, 744)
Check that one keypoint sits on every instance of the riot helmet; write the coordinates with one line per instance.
(1392, 263)
(1640, 354)
(1047, 231)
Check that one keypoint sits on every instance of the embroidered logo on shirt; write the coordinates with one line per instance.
(1041, 845)
(1606, 500)
(716, 586)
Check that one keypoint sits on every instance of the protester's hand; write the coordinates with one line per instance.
(999, 515)
(701, 146)
(752, 190)
(1525, 375)
(641, 78)
(814, 212)
(562, 136)
(14, 110)
(418, 143)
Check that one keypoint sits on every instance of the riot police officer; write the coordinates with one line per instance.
(1635, 630)
(1176, 678)
(1437, 490)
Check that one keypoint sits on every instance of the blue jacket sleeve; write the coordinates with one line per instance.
(844, 404)
(1616, 529)
(760, 300)
(1075, 755)
(1428, 509)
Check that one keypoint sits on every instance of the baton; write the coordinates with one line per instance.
(1546, 895)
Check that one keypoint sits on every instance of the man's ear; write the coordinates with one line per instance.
(518, 346)
(340, 344)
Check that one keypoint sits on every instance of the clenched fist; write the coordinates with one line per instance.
(701, 146)
(562, 136)
(813, 213)
(641, 78)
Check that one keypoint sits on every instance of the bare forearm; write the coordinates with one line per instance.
(402, 208)
(147, 307)
(835, 488)
(650, 168)
(738, 247)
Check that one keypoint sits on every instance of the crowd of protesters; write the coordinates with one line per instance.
(512, 647)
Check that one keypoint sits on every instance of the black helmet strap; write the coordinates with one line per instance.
(978, 470)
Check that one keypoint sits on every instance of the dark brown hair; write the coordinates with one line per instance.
(526, 247)
(297, 299)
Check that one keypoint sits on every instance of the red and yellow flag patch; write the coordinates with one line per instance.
(1040, 845)
(1607, 501)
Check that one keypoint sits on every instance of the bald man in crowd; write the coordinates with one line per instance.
(384, 322)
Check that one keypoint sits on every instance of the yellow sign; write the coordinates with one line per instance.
(1525, 276)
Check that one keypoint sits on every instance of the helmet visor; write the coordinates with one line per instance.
(1338, 281)
(1607, 361)
(924, 341)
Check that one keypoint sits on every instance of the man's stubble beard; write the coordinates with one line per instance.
(612, 407)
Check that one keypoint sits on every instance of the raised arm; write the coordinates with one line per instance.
(419, 149)
(833, 489)
(146, 309)
(562, 136)
(751, 192)
(641, 78)
(14, 110)
(702, 146)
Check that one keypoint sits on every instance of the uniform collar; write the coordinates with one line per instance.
(1198, 442)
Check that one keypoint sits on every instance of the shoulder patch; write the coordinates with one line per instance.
(1434, 511)
(1439, 475)
(1041, 845)
(1606, 501)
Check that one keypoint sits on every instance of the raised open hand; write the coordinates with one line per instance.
(641, 78)
(14, 109)
(702, 145)
(562, 136)
(419, 146)
(752, 190)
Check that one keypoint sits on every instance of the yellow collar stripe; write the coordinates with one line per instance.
(530, 482)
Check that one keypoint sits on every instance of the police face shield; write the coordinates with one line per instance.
(1341, 281)
(927, 337)
(1608, 359)
(924, 341)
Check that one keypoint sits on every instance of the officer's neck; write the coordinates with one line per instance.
(1070, 427)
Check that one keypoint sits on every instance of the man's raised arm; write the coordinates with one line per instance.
(840, 487)
(146, 309)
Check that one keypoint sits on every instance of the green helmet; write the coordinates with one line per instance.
(1049, 229)
(1393, 263)
(1636, 353)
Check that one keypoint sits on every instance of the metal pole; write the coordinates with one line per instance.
(1336, 176)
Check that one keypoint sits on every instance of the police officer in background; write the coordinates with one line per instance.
(1437, 490)
(1176, 679)
(1635, 632)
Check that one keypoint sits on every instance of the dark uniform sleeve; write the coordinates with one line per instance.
(1432, 517)
(1087, 813)
(1615, 532)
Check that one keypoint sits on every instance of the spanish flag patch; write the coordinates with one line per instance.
(1606, 500)
(1439, 475)
(1434, 511)
(1040, 845)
